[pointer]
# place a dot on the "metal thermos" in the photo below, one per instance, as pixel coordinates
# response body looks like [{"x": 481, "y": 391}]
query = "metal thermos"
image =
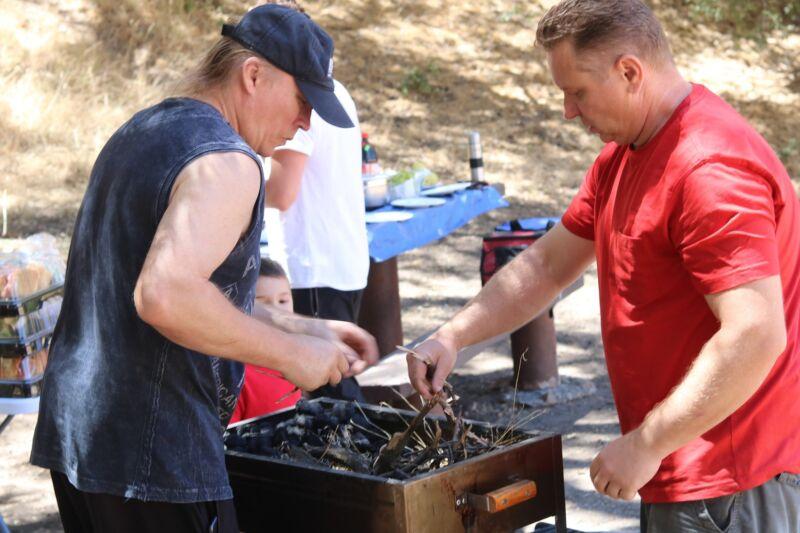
[{"x": 475, "y": 156}]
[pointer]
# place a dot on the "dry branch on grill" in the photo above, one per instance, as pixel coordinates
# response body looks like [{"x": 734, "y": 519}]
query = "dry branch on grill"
[{"x": 344, "y": 437}]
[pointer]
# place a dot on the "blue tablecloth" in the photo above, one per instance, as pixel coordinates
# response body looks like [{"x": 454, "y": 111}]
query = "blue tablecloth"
[{"x": 388, "y": 239}]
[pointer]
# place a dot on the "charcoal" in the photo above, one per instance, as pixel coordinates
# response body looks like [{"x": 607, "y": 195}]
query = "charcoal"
[
  {"x": 299, "y": 454},
  {"x": 342, "y": 436},
  {"x": 359, "y": 419},
  {"x": 281, "y": 432},
  {"x": 252, "y": 444},
  {"x": 340, "y": 412},
  {"x": 295, "y": 435},
  {"x": 361, "y": 441},
  {"x": 308, "y": 408},
  {"x": 314, "y": 439},
  {"x": 304, "y": 421},
  {"x": 341, "y": 456},
  {"x": 328, "y": 420},
  {"x": 264, "y": 444},
  {"x": 234, "y": 441}
]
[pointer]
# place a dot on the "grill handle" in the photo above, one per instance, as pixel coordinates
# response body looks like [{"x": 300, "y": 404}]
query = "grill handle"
[{"x": 500, "y": 499}]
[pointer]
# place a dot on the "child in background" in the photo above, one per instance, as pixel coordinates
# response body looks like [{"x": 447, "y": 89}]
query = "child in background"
[{"x": 264, "y": 387}]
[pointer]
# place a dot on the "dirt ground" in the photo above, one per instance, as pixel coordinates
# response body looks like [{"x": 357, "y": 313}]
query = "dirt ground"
[
  {"x": 484, "y": 384},
  {"x": 423, "y": 73}
]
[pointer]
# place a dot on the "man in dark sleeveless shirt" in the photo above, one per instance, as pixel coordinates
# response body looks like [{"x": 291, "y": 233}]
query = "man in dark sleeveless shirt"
[{"x": 158, "y": 316}]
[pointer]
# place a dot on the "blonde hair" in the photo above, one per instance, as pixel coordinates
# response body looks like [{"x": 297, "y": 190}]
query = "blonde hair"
[{"x": 216, "y": 66}]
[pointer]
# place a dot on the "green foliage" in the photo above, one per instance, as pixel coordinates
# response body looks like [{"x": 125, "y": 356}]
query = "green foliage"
[
  {"x": 188, "y": 6},
  {"x": 790, "y": 150},
  {"x": 518, "y": 12},
  {"x": 418, "y": 80},
  {"x": 747, "y": 18}
]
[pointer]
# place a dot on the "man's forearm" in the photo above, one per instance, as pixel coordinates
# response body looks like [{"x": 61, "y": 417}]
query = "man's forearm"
[
  {"x": 291, "y": 322},
  {"x": 196, "y": 315},
  {"x": 514, "y": 295},
  {"x": 728, "y": 370}
]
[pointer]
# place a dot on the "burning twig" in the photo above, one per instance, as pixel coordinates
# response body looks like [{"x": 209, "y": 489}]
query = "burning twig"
[
  {"x": 386, "y": 433},
  {"x": 389, "y": 453},
  {"x": 411, "y": 406},
  {"x": 352, "y": 460}
]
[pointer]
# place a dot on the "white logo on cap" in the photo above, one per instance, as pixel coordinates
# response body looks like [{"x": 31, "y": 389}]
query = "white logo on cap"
[{"x": 330, "y": 68}]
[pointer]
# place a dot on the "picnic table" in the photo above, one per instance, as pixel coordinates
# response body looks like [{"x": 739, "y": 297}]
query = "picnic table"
[
  {"x": 10, "y": 407},
  {"x": 380, "y": 306}
]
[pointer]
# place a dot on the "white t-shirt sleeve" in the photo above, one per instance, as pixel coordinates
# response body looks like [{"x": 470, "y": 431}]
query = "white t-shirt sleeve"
[{"x": 302, "y": 142}]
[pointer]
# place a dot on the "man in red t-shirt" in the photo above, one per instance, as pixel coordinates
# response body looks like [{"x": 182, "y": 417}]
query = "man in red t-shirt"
[{"x": 693, "y": 222}]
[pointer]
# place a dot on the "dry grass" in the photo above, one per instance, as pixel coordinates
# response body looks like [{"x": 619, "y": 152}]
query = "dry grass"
[
  {"x": 423, "y": 73},
  {"x": 70, "y": 74}
]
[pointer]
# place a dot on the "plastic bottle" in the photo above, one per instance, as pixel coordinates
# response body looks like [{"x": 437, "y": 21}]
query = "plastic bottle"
[{"x": 369, "y": 157}]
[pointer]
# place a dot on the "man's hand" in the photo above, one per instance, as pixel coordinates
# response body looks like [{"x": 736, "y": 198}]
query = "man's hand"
[
  {"x": 441, "y": 351},
  {"x": 624, "y": 466},
  {"x": 317, "y": 362},
  {"x": 363, "y": 349}
]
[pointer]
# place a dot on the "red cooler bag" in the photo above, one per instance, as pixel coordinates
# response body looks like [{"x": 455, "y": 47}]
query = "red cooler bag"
[{"x": 500, "y": 247}]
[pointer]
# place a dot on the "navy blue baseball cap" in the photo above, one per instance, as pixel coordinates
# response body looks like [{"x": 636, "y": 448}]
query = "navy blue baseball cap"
[{"x": 291, "y": 41}]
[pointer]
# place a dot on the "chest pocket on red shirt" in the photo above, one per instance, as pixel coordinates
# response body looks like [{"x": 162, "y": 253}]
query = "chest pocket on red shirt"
[{"x": 645, "y": 273}]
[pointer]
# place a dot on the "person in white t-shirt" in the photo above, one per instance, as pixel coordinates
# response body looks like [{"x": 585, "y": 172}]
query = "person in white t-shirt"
[{"x": 315, "y": 181}]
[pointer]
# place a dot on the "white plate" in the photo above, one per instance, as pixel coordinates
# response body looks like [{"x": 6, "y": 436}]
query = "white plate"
[
  {"x": 374, "y": 217},
  {"x": 418, "y": 202},
  {"x": 444, "y": 190}
]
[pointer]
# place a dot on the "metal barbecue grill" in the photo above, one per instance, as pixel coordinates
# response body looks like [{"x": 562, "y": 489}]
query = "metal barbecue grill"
[{"x": 501, "y": 490}]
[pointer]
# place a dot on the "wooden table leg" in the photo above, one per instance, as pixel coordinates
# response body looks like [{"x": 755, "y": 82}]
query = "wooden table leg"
[
  {"x": 6, "y": 421},
  {"x": 380, "y": 306},
  {"x": 536, "y": 340}
]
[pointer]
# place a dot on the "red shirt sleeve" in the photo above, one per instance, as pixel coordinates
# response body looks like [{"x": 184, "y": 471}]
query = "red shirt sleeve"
[
  {"x": 724, "y": 227},
  {"x": 579, "y": 216}
]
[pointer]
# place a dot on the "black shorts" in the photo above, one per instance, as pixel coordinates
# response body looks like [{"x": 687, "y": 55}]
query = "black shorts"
[{"x": 87, "y": 512}]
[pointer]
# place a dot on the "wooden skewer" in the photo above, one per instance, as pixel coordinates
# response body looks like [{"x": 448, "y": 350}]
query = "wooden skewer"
[
  {"x": 418, "y": 356},
  {"x": 415, "y": 355},
  {"x": 279, "y": 400}
]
